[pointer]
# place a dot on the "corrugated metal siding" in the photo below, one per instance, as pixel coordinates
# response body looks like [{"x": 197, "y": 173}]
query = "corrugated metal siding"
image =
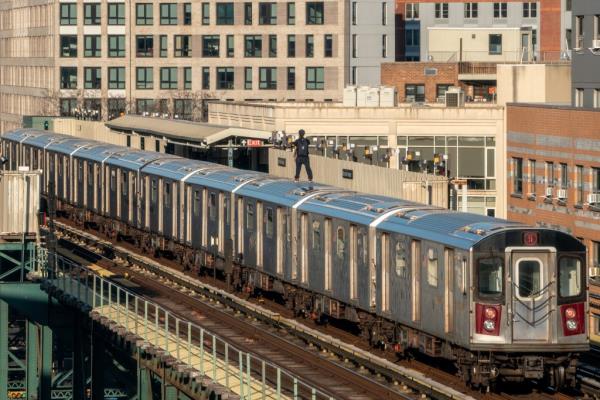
[{"x": 15, "y": 200}]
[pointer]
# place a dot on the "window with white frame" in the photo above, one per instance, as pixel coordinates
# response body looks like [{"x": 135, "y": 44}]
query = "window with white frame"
[
  {"x": 550, "y": 174},
  {"x": 578, "y": 97},
  {"x": 384, "y": 13},
  {"x": 471, "y": 10},
  {"x": 596, "y": 98},
  {"x": 412, "y": 11},
  {"x": 578, "y": 33},
  {"x": 596, "y": 27},
  {"x": 441, "y": 10},
  {"x": 500, "y": 10},
  {"x": 530, "y": 9}
]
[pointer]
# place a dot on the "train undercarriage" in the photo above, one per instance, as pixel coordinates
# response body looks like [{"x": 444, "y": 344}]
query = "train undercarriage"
[{"x": 478, "y": 369}]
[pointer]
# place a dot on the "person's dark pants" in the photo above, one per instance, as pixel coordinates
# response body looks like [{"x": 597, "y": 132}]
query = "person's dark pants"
[{"x": 300, "y": 160}]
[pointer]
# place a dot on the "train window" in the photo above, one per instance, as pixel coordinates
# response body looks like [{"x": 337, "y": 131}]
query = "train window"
[
  {"x": 196, "y": 205},
  {"x": 90, "y": 173},
  {"x": 167, "y": 194},
  {"x": 529, "y": 275},
  {"x": 124, "y": 185},
  {"x": 250, "y": 216},
  {"x": 432, "y": 267},
  {"x": 212, "y": 206},
  {"x": 316, "y": 235},
  {"x": 80, "y": 171},
  {"x": 569, "y": 276},
  {"x": 153, "y": 194},
  {"x": 340, "y": 244},
  {"x": 113, "y": 178},
  {"x": 363, "y": 243},
  {"x": 400, "y": 257},
  {"x": 269, "y": 222},
  {"x": 491, "y": 276},
  {"x": 226, "y": 211}
]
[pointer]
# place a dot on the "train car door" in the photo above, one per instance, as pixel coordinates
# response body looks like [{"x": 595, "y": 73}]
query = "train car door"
[
  {"x": 416, "y": 280},
  {"x": 153, "y": 204},
  {"x": 125, "y": 196},
  {"x": 385, "y": 272},
  {"x": 240, "y": 225},
  {"x": 259, "y": 234},
  {"x": 133, "y": 196},
  {"x": 195, "y": 231},
  {"x": 304, "y": 248},
  {"x": 214, "y": 223},
  {"x": 280, "y": 221},
  {"x": 113, "y": 193},
  {"x": 167, "y": 209},
  {"x": 448, "y": 290},
  {"x": 531, "y": 293}
]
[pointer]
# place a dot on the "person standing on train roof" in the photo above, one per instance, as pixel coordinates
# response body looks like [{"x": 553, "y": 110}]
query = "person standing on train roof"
[{"x": 301, "y": 154}]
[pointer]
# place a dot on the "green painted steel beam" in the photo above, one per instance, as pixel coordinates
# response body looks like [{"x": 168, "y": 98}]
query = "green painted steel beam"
[
  {"x": 3, "y": 348},
  {"x": 31, "y": 353},
  {"x": 45, "y": 379},
  {"x": 27, "y": 299},
  {"x": 171, "y": 393}
]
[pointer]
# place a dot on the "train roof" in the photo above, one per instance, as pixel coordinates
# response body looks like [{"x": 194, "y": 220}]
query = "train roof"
[{"x": 457, "y": 229}]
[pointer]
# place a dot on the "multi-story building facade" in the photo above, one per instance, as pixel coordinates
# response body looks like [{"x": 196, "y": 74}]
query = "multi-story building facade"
[
  {"x": 372, "y": 39},
  {"x": 586, "y": 53},
  {"x": 511, "y": 29},
  {"x": 102, "y": 58}
]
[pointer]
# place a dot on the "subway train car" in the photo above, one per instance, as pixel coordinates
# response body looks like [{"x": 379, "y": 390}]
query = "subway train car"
[{"x": 500, "y": 299}]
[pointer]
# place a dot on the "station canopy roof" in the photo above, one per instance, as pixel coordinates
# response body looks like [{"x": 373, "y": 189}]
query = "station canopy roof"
[{"x": 183, "y": 131}]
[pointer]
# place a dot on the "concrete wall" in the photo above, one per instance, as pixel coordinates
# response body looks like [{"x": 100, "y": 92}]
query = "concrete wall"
[
  {"x": 422, "y": 188},
  {"x": 586, "y": 63},
  {"x": 533, "y": 83}
]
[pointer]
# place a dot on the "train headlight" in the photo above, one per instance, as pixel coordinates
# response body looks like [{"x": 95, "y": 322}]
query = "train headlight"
[
  {"x": 570, "y": 313},
  {"x": 490, "y": 313},
  {"x": 571, "y": 324},
  {"x": 489, "y": 325}
]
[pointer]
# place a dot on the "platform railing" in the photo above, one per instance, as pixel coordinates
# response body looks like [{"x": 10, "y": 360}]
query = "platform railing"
[{"x": 195, "y": 347}]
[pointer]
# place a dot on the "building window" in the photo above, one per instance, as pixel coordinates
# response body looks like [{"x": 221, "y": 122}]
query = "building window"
[
  {"x": 224, "y": 78},
  {"x": 414, "y": 93},
  {"x": 328, "y": 45},
  {"x": 578, "y": 33},
  {"x": 412, "y": 37},
  {"x": 187, "y": 13},
  {"x": 182, "y": 46},
  {"x": 578, "y": 97},
  {"x": 168, "y": 13},
  {"x": 144, "y": 46},
  {"x": 230, "y": 46},
  {"x": 314, "y": 13},
  {"x": 441, "y": 10},
  {"x": 187, "y": 78},
  {"x": 248, "y": 78},
  {"x": 116, "y": 108},
  {"x": 495, "y": 44},
  {"x": 291, "y": 46},
  {"x": 579, "y": 184},
  {"x": 384, "y": 13},
  {"x": 596, "y": 263},
  {"x": 116, "y": 77},
  {"x": 354, "y": 12},
  {"x": 205, "y": 13},
  {"x": 183, "y": 108},
  {"x": 210, "y": 45},
  {"x": 315, "y": 78},
  {"x": 144, "y": 106},
  {"x": 440, "y": 91},
  {"x": 291, "y": 13},
  {"x": 224, "y": 13},
  {"x": 144, "y": 78},
  {"x": 384, "y": 46},
  {"x": 68, "y": 77},
  {"x": 291, "y": 78},
  {"x": 310, "y": 46},
  {"x": 116, "y": 13},
  {"x": 67, "y": 107},
  {"x": 168, "y": 78},
  {"x": 596, "y": 32},
  {"x": 92, "y": 78},
  {"x": 530, "y": 10},
  {"x": 68, "y": 45},
  {"x": 68, "y": 14},
  {"x": 353, "y": 75},
  {"x": 267, "y": 13},
  {"x": 144, "y": 14},
  {"x": 272, "y": 45},
  {"x": 91, "y": 14},
  {"x": 517, "y": 176},
  {"x": 564, "y": 176},
  {"x": 163, "y": 46},
  {"x": 550, "y": 174},
  {"x": 500, "y": 10},
  {"x": 247, "y": 13},
  {"x": 91, "y": 46},
  {"x": 596, "y": 98},
  {"x": 595, "y": 180},
  {"x": 412, "y": 11},
  {"x": 267, "y": 78},
  {"x": 116, "y": 45},
  {"x": 252, "y": 46},
  {"x": 205, "y": 78},
  {"x": 471, "y": 10},
  {"x": 93, "y": 105},
  {"x": 532, "y": 178}
]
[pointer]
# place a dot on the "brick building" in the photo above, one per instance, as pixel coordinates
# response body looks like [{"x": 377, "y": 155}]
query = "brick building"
[{"x": 553, "y": 179}]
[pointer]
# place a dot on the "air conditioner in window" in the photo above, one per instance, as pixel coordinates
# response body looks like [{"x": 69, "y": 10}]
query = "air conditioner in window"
[
  {"x": 596, "y": 44},
  {"x": 594, "y": 272},
  {"x": 455, "y": 97},
  {"x": 594, "y": 198},
  {"x": 549, "y": 191},
  {"x": 561, "y": 194}
]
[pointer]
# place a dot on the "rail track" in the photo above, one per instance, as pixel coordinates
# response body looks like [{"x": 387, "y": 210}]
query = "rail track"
[{"x": 327, "y": 345}]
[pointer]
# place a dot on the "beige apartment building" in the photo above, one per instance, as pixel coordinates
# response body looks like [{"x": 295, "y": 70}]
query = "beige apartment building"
[{"x": 98, "y": 59}]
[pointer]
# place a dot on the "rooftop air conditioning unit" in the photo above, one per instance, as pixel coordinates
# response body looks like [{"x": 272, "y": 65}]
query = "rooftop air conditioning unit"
[
  {"x": 561, "y": 194},
  {"x": 594, "y": 198},
  {"x": 549, "y": 191},
  {"x": 349, "y": 99},
  {"x": 596, "y": 44},
  {"x": 455, "y": 97}
]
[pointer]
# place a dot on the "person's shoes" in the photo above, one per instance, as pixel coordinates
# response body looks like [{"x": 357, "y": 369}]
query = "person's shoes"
[{"x": 296, "y": 180}]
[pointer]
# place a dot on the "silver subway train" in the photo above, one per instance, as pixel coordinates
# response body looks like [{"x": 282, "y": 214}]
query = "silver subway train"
[{"x": 500, "y": 299}]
